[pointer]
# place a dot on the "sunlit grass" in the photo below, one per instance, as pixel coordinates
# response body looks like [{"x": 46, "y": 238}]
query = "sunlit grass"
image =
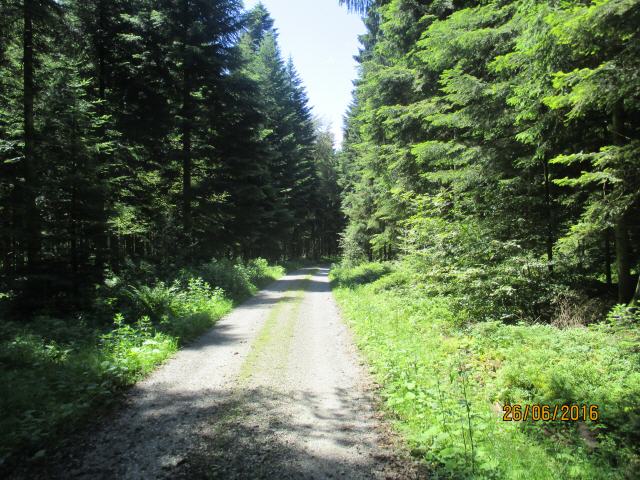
[
  {"x": 432, "y": 367},
  {"x": 55, "y": 373}
]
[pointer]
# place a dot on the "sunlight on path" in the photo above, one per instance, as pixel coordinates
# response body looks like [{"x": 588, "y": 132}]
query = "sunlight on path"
[{"x": 275, "y": 390}]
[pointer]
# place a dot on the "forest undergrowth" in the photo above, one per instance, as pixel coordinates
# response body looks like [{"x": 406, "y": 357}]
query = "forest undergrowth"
[
  {"x": 446, "y": 377},
  {"x": 56, "y": 372}
]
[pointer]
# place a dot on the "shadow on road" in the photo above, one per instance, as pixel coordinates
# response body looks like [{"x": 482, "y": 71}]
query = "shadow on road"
[
  {"x": 246, "y": 445},
  {"x": 233, "y": 432},
  {"x": 245, "y": 435}
]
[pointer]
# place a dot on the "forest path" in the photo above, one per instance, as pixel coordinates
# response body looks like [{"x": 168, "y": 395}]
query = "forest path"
[{"x": 275, "y": 390}]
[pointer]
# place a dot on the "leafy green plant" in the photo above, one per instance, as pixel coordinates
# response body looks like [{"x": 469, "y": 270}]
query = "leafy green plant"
[
  {"x": 361, "y": 274},
  {"x": 55, "y": 372},
  {"x": 131, "y": 351},
  {"x": 239, "y": 280},
  {"x": 157, "y": 302},
  {"x": 445, "y": 380}
]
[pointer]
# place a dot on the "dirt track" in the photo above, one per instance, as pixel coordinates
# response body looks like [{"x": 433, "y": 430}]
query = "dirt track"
[{"x": 275, "y": 390}]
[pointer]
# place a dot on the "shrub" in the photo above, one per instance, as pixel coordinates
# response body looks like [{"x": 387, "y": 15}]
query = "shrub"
[
  {"x": 183, "y": 312},
  {"x": 230, "y": 276},
  {"x": 54, "y": 372},
  {"x": 574, "y": 309},
  {"x": 158, "y": 302},
  {"x": 346, "y": 276},
  {"x": 131, "y": 351},
  {"x": 27, "y": 349},
  {"x": 445, "y": 380},
  {"x": 239, "y": 280},
  {"x": 196, "y": 308},
  {"x": 352, "y": 242},
  {"x": 624, "y": 316},
  {"x": 260, "y": 272}
]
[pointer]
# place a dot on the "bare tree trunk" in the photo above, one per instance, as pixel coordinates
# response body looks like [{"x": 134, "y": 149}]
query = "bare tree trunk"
[
  {"x": 73, "y": 219},
  {"x": 101, "y": 233},
  {"x": 621, "y": 230},
  {"x": 607, "y": 256},
  {"x": 31, "y": 217},
  {"x": 623, "y": 261},
  {"x": 547, "y": 201},
  {"x": 635, "y": 301},
  {"x": 17, "y": 252},
  {"x": 186, "y": 124}
]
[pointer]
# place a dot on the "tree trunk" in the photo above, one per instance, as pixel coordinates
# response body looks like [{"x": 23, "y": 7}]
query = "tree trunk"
[
  {"x": 623, "y": 261},
  {"x": 31, "y": 217},
  {"x": 607, "y": 256},
  {"x": 186, "y": 177},
  {"x": 186, "y": 125},
  {"x": 547, "y": 201},
  {"x": 73, "y": 218},
  {"x": 101, "y": 233},
  {"x": 635, "y": 301},
  {"x": 17, "y": 252},
  {"x": 621, "y": 230}
]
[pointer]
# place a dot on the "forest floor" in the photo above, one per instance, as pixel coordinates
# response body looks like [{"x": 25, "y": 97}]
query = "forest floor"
[{"x": 275, "y": 390}]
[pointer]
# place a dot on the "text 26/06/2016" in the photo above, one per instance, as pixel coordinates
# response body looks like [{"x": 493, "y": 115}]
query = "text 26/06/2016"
[{"x": 546, "y": 413}]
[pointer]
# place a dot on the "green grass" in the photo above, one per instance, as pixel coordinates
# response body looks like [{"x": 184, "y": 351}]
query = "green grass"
[
  {"x": 444, "y": 380},
  {"x": 55, "y": 373},
  {"x": 273, "y": 340}
]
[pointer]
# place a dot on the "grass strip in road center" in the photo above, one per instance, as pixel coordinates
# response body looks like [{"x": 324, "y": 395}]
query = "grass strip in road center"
[{"x": 270, "y": 350}]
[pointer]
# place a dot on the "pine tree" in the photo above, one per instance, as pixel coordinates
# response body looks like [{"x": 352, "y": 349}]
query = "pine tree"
[
  {"x": 488, "y": 118},
  {"x": 288, "y": 133},
  {"x": 138, "y": 131}
]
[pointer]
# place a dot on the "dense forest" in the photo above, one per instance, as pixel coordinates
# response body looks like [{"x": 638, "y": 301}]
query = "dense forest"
[
  {"x": 154, "y": 157},
  {"x": 501, "y": 134},
  {"x": 491, "y": 184},
  {"x": 167, "y": 132},
  {"x": 160, "y": 162}
]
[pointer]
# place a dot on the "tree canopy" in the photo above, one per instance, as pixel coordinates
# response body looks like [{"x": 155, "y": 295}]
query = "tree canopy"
[
  {"x": 495, "y": 138},
  {"x": 167, "y": 132}
]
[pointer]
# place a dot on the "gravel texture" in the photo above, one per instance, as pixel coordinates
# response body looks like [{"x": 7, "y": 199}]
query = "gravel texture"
[{"x": 275, "y": 390}]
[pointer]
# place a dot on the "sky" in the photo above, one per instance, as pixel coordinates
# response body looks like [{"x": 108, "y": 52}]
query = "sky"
[{"x": 322, "y": 37}]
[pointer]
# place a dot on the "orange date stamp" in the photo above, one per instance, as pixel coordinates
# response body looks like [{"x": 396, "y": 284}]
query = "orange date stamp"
[{"x": 550, "y": 413}]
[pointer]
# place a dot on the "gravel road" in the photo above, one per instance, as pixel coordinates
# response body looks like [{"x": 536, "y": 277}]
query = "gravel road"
[{"x": 275, "y": 390}]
